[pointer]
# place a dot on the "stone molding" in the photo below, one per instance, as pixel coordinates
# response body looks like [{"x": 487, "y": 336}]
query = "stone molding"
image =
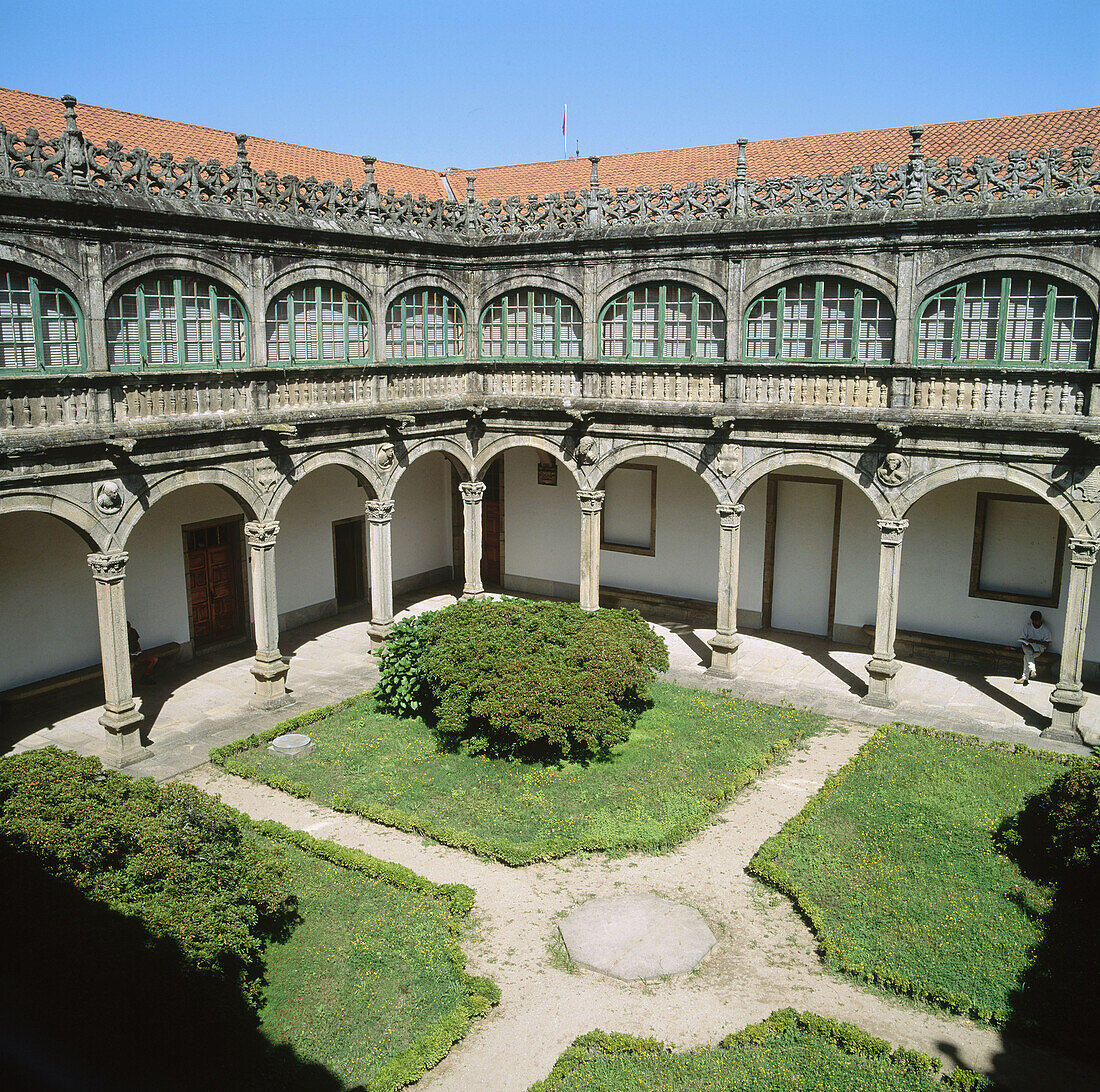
[
  {"x": 472, "y": 492},
  {"x": 380, "y": 511},
  {"x": 108, "y": 568},
  {"x": 729, "y": 516},
  {"x": 591, "y": 500},
  {"x": 261, "y": 534},
  {"x": 892, "y": 531}
]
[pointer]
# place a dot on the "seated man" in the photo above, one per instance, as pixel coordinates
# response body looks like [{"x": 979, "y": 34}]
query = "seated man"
[
  {"x": 138, "y": 656},
  {"x": 1034, "y": 641}
]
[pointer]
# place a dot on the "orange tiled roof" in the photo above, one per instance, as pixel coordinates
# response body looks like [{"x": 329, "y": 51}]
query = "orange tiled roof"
[
  {"x": 832, "y": 153},
  {"x": 20, "y": 110},
  {"x": 811, "y": 155}
]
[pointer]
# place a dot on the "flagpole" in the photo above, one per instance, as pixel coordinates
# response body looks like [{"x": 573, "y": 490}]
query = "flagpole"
[{"x": 564, "y": 138}]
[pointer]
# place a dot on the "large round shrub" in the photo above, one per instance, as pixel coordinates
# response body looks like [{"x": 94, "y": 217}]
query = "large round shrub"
[
  {"x": 171, "y": 856},
  {"x": 537, "y": 679}
]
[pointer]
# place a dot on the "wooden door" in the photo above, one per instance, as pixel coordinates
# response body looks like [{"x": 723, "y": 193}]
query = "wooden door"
[
  {"x": 349, "y": 561},
  {"x": 491, "y": 511},
  {"x": 213, "y": 562}
]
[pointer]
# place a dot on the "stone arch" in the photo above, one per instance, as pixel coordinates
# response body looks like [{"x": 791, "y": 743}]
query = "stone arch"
[
  {"x": 239, "y": 487},
  {"x": 413, "y": 281},
  {"x": 36, "y": 260},
  {"x": 598, "y": 473},
  {"x": 304, "y": 272},
  {"x": 446, "y": 444},
  {"x": 1079, "y": 276},
  {"x": 862, "y": 273},
  {"x": 1033, "y": 482},
  {"x": 657, "y": 274},
  {"x": 568, "y": 290},
  {"x": 501, "y": 444},
  {"x": 176, "y": 261},
  {"x": 364, "y": 472},
  {"x": 86, "y": 524},
  {"x": 780, "y": 460}
]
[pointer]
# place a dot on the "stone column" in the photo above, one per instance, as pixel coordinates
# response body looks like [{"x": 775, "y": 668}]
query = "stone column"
[
  {"x": 121, "y": 712},
  {"x": 882, "y": 667},
  {"x": 379, "y": 518},
  {"x": 591, "y": 511},
  {"x": 472, "y": 492},
  {"x": 1068, "y": 696},
  {"x": 268, "y": 668},
  {"x": 726, "y": 640}
]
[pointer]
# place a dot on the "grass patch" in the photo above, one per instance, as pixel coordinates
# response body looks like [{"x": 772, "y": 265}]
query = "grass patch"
[
  {"x": 788, "y": 1050},
  {"x": 894, "y": 865},
  {"x": 686, "y": 756},
  {"x": 371, "y": 983}
]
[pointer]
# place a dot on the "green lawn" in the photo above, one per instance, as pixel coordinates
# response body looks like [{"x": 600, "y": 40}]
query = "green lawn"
[
  {"x": 687, "y": 755},
  {"x": 370, "y": 984},
  {"x": 894, "y": 864},
  {"x": 787, "y": 1051}
]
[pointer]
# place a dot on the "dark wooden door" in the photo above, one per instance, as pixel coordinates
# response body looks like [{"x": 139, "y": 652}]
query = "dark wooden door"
[
  {"x": 491, "y": 505},
  {"x": 214, "y": 581},
  {"x": 349, "y": 560}
]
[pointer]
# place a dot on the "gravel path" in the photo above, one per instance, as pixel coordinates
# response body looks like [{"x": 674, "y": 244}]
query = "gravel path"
[{"x": 765, "y": 957}]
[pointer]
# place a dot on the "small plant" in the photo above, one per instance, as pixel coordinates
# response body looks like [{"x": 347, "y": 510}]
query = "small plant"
[{"x": 401, "y": 688}]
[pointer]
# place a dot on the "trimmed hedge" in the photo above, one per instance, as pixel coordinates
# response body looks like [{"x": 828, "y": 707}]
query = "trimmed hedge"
[
  {"x": 765, "y": 865},
  {"x": 781, "y": 1026},
  {"x": 480, "y": 993},
  {"x": 532, "y": 679}
]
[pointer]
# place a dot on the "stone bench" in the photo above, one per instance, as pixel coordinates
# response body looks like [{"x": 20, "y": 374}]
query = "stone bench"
[
  {"x": 964, "y": 652},
  {"x": 71, "y": 680}
]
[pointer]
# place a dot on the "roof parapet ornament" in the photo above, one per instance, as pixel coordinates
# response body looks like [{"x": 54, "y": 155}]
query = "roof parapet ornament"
[
  {"x": 245, "y": 192},
  {"x": 74, "y": 150},
  {"x": 593, "y": 209},
  {"x": 594, "y": 182},
  {"x": 368, "y": 169},
  {"x": 471, "y": 208},
  {"x": 740, "y": 197},
  {"x": 914, "y": 182}
]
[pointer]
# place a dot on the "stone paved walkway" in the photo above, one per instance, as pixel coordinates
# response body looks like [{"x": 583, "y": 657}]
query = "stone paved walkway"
[
  {"x": 204, "y": 703},
  {"x": 764, "y": 959}
]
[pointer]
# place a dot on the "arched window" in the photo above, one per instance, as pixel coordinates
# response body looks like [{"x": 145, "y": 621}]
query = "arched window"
[
  {"x": 530, "y": 322},
  {"x": 41, "y": 328},
  {"x": 425, "y": 325},
  {"x": 672, "y": 322},
  {"x": 316, "y": 322},
  {"x": 820, "y": 319},
  {"x": 176, "y": 320},
  {"x": 1006, "y": 319}
]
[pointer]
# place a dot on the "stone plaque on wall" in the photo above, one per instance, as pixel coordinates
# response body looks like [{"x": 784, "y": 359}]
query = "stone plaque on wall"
[{"x": 548, "y": 470}]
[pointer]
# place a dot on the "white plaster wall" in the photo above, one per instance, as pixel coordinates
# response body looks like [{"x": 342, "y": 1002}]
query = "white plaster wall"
[
  {"x": 156, "y": 580},
  {"x": 857, "y": 560},
  {"x": 542, "y": 523},
  {"x": 421, "y": 534},
  {"x": 304, "y": 565},
  {"x": 685, "y": 560},
  {"x": 47, "y": 600},
  {"x": 935, "y": 576},
  {"x": 750, "y": 578}
]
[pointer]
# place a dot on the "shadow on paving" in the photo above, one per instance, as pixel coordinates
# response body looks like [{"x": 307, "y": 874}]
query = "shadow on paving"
[{"x": 93, "y": 1002}]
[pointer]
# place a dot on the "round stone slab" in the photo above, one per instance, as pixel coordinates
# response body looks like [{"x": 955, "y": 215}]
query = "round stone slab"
[
  {"x": 293, "y": 743},
  {"x": 636, "y": 936}
]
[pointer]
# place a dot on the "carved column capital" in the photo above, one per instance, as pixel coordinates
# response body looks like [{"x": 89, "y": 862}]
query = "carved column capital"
[
  {"x": 472, "y": 492},
  {"x": 260, "y": 534},
  {"x": 591, "y": 500},
  {"x": 729, "y": 515},
  {"x": 108, "y": 568},
  {"x": 892, "y": 531},
  {"x": 380, "y": 511},
  {"x": 1083, "y": 550}
]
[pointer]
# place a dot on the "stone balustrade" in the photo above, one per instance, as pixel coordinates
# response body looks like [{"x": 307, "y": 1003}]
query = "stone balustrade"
[{"x": 98, "y": 399}]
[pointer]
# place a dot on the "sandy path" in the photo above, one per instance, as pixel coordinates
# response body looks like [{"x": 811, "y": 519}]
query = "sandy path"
[{"x": 765, "y": 957}]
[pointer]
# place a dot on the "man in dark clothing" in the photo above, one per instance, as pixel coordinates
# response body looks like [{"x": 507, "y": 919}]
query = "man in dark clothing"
[{"x": 138, "y": 656}]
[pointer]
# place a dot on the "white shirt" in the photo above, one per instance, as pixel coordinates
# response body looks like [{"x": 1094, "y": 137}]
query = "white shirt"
[{"x": 1036, "y": 634}]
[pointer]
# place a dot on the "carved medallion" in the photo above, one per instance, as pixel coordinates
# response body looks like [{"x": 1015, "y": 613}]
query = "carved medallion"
[
  {"x": 894, "y": 469},
  {"x": 587, "y": 451},
  {"x": 385, "y": 457},
  {"x": 265, "y": 475},
  {"x": 108, "y": 498},
  {"x": 1086, "y": 484}
]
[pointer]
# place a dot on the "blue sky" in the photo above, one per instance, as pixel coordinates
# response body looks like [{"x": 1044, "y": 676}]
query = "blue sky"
[{"x": 477, "y": 84}]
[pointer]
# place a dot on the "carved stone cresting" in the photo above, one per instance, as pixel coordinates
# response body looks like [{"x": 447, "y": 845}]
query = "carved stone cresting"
[
  {"x": 108, "y": 498},
  {"x": 472, "y": 492},
  {"x": 591, "y": 500},
  {"x": 380, "y": 511},
  {"x": 260, "y": 534},
  {"x": 894, "y": 469},
  {"x": 729, "y": 515},
  {"x": 385, "y": 456},
  {"x": 892, "y": 531},
  {"x": 108, "y": 568}
]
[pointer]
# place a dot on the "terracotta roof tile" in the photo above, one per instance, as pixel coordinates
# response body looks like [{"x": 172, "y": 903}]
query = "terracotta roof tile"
[
  {"x": 811, "y": 155},
  {"x": 20, "y": 110}
]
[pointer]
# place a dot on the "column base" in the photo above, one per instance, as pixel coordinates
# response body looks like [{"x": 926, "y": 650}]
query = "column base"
[
  {"x": 378, "y": 632},
  {"x": 471, "y": 591},
  {"x": 880, "y": 683},
  {"x": 123, "y": 744},
  {"x": 723, "y": 658},
  {"x": 1065, "y": 718},
  {"x": 270, "y": 675}
]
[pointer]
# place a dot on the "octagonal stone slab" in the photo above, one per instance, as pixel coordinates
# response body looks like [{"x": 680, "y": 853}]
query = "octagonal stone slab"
[{"x": 636, "y": 936}]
